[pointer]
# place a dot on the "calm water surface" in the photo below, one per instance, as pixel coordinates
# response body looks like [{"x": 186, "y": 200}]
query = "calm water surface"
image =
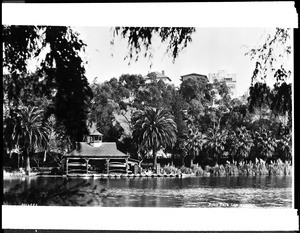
[{"x": 250, "y": 192}]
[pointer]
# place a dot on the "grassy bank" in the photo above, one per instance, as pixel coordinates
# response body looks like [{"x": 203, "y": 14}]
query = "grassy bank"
[
  {"x": 234, "y": 169},
  {"x": 229, "y": 169}
]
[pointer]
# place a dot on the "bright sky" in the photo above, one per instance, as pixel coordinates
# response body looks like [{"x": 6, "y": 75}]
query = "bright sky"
[
  {"x": 222, "y": 31},
  {"x": 212, "y": 49}
]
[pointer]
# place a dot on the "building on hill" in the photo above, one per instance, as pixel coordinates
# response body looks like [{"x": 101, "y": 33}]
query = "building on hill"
[
  {"x": 229, "y": 78},
  {"x": 157, "y": 76},
  {"x": 192, "y": 76}
]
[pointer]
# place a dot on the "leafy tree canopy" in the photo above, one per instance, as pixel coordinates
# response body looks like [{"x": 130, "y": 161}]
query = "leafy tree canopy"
[
  {"x": 140, "y": 39},
  {"x": 272, "y": 62},
  {"x": 61, "y": 72}
]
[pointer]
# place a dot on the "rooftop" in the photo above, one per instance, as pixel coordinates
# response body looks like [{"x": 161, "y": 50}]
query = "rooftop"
[
  {"x": 193, "y": 74},
  {"x": 106, "y": 150}
]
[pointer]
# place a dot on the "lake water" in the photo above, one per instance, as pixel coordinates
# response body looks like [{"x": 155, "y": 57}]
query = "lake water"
[{"x": 233, "y": 192}]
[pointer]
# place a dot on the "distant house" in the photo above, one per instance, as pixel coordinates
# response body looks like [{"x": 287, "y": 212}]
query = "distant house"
[
  {"x": 157, "y": 76},
  {"x": 192, "y": 76},
  {"x": 93, "y": 151}
]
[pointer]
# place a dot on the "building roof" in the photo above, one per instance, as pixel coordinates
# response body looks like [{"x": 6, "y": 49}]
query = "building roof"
[
  {"x": 193, "y": 75},
  {"x": 106, "y": 150}
]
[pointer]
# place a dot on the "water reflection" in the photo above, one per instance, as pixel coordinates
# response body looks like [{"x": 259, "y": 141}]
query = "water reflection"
[{"x": 260, "y": 191}]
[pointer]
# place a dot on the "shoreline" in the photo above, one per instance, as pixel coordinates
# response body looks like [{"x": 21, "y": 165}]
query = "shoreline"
[{"x": 14, "y": 175}]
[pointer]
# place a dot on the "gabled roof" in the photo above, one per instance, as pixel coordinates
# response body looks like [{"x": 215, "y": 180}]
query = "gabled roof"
[{"x": 106, "y": 150}]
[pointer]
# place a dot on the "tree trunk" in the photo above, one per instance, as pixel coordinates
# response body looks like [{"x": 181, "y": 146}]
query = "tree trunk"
[
  {"x": 27, "y": 169},
  {"x": 154, "y": 159},
  {"x": 192, "y": 162},
  {"x": 18, "y": 161},
  {"x": 182, "y": 162}
]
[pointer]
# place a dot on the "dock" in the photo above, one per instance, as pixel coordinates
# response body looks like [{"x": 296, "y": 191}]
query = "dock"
[{"x": 120, "y": 176}]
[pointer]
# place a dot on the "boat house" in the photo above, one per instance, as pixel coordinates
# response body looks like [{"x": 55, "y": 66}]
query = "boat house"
[{"x": 95, "y": 156}]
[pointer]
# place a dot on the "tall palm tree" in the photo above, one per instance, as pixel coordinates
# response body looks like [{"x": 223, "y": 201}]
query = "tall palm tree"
[
  {"x": 154, "y": 129},
  {"x": 30, "y": 134}
]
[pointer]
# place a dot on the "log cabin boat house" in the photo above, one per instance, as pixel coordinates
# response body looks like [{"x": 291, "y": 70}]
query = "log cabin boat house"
[{"x": 94, "y": 156}]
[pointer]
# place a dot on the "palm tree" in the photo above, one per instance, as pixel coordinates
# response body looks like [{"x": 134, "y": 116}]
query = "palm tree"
[
  {"x": 154, "y": 129},
  {"x": 264, "y": 145},
  {"x": 194, "y": 144},
  {"x": 215, "y": 144},
  {"x": 30, "y": 134},
  {"x": 239, "y": 143}
]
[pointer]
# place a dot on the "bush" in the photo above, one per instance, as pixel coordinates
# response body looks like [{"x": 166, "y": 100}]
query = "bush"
[
  {"x": 197, "y": 170},
  {"x": 217, "y": 170},
  {"x": 170, "y": 170},
  {"x": 186, "y": 170}
]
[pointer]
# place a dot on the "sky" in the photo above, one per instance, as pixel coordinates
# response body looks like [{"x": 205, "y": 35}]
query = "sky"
[{"x": 211, "y": 49}]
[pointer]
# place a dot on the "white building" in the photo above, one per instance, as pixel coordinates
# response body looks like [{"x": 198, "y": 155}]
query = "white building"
[{"x": 229, "y": 78}]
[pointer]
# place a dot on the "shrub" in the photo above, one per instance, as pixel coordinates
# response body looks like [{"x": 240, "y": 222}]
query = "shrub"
[
  {"x": 170, "y": 170},
  {"x": 186, "y": 170},
  {"x": 197, "y": 170}
]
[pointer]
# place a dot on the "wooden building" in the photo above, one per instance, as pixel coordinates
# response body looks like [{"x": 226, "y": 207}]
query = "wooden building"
[{"x": 87, "y": 155}]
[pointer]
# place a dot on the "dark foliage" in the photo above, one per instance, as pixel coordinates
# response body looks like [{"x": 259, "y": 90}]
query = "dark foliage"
[
  {"x": 60, "y": 78},
  {"x": 63, "y": 194},
  {"x": 140, "y": 39}
]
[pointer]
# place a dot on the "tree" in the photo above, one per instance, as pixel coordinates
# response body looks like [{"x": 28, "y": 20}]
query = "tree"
[
  {"x": 61, "y": 70},
  {"x": 140, "y": 39},
  {"x": 272, "y": 62},
  {"x": 131, "y": 81},
  {"x": 178, "y": 110},
  {"x": 156, "y": 94},
  {"x": 73, "y": 91},
  {"x": 105, "y": 104},
  {"x": 283, "y": 148},
  {"x": 272, "y": 57},
  {"x": 281, "y": 101},
  {"x": 30, "y": 133},
  {"x": 215, "y": 145},
  {"x": 154, "y": 129},
  {"x": 59, "y": 142},
  {"x": 19, "y": 91},
  {"x": 238, "y": 144},
  {"x": 194, "y": 144},
  {"x": 259, "y": 96},
  {"x": 20, "y": 44},
  {"x": 195, "y": 89},
  {"x": 220, "y": 93},
  {"x": 239, "y": 115},
  {"x": 263, "y": 145}
]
